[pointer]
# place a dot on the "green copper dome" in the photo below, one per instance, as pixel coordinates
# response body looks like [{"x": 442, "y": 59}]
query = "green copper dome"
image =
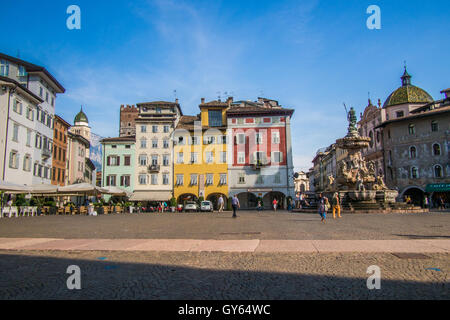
[
  {"x": 407, "y": 93},
  {"x": 81, "y": 117}
]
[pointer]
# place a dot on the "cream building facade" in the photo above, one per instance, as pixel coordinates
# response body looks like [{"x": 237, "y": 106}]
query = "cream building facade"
[{"x": 154, "y": 168}]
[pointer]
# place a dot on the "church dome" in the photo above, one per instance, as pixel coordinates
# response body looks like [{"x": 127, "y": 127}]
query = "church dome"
[
  {"x": 407, "y": 93},
  {"x": 81, "y": 117}
]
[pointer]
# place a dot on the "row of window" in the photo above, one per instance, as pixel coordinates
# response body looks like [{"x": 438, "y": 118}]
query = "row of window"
[
  {"x": 143, "y": 159},
  {"x": 143, "y": 179},
  {"x": 154, "y": 143},
  {"x": 155, "y": 128},
  {"x": 437, "y": 171},
  {"x": 4, "y": 69},
  {"x": 240, "y": 138},
  {"x": 41, "y": 115},
  {"x": 39, "y": 170},
  {"x": 58, "y": 174},
  {"x": 59, "y": 153},
  {"x": 115, "y": 160},
  {"x": 209, "y": 179},
  {"x": 209, "y": 157},
  {"x": 260, "y": 157},
  {"x": 195, "y": 140},
  {"x": 255, "y": 158},
  {"x": 258, "y": 120},
  {"x": 436, "y": 151},
  {"x": 41, "y": 94},
  {"x": 261, "y": 179},
  {"x": 60, "y": 135},
  {"x": 111, "y": 180},
  {"x": 434, "y": 127},
  {"x": 41, "y": 141}
]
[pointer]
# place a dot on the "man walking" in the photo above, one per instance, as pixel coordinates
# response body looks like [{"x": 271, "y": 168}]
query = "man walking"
[
  {"x": 220, "y": 202},
  {"x": 235, "y": 204}
]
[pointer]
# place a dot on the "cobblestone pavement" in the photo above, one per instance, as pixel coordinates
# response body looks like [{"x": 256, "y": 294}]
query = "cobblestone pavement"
[
  {"x": 209, "y": 275},
  {"x": 249, "y": 225}
]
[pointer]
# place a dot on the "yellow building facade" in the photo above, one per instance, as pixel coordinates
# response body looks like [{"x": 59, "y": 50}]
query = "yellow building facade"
[{"x": 200, "y": 155}]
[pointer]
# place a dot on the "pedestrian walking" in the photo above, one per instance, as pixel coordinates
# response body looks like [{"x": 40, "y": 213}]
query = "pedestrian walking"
[
  {"x": 336, "y": 205},
  {"x": 259, "y": 206},
  {"x": 289, "y": 205},
  {"x": 235, "y": 204},
  {"x": 220, "y": 202},
  {"x": 274, "y": 204},
  {"x": 441, "y": 203},
  {"x": 425, "y": 202},
  {"x": 323, "y": 202}
]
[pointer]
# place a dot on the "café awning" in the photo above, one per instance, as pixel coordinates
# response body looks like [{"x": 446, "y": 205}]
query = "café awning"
[
  {"x": 438, "y": 187},
  {"x": 151, "y": 196}
]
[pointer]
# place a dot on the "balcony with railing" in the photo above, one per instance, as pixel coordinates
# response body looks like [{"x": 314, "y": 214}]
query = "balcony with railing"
[
  {"x": 154, "y": 168},
  {"x": 46, "y": 153}
]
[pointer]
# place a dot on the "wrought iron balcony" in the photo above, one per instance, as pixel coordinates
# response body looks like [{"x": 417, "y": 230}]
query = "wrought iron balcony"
[
  {"x": 46, "y": 153},
  {"x": 153, "y": 168},
  {"x": 259, "y": 164}
]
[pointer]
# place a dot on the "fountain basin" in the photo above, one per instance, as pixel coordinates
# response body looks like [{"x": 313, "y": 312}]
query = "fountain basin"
[{"x": 366, "y": 195}]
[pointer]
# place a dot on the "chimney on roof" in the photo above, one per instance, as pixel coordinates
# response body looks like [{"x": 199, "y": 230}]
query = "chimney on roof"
[
  {"x": 230, "y": 100},
  {"x": 446, "y": 92},
  {"x": 202, "y": 100},
  {"x": 176, "y": 100}
]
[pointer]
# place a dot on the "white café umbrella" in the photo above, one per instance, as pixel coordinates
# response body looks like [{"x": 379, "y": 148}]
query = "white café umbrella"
[
  {"x": 115, "y": 191},
  {"x": 43, "y": 189},
  {"x": 13, "y": 187},
  {"x": 81, "y": 189}
]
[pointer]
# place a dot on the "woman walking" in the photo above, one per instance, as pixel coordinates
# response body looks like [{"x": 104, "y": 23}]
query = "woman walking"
[{"x": 323, "y": 202}]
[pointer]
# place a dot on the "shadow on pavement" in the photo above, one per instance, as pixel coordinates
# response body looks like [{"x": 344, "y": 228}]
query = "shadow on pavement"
[
  {"x": 39, "y": 277},
  {"x": 417, "y": 236}
]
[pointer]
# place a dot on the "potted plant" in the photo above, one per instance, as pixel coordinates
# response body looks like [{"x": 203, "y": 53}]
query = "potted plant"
[{"x": 173, "y": 204}]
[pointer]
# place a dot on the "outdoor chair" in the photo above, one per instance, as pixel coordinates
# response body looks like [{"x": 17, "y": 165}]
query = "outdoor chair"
[
  {"x": 60, "y": 210},
  {"x": 14, "y": 211},
  {"x": 67, "y": 210},
  {"x": 83, "y": 210},
  {"x": 105, "y": 210}
]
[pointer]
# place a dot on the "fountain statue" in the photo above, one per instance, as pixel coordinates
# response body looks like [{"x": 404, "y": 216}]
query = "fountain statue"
[{"x": 356, "y": 178}]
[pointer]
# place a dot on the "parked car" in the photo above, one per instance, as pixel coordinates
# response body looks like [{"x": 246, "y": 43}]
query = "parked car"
[
  {"x": 191, "y": 206},
  {"x": 206, "y": 206}
]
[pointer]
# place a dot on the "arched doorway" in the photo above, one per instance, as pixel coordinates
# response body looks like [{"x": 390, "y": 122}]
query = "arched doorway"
[
  {"x": 416, "y": 195},
  {"x": 187, "y": 197},
  {"x": 214, "y": 198},
  {"x": 247, "y": 200},
  {"x": 268, "y": 199}
]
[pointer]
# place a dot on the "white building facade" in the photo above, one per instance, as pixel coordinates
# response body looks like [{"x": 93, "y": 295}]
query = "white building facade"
[{"x": 28, "y": 97}]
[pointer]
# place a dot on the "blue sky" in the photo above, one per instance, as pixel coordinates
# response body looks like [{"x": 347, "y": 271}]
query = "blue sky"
[{"x": 309, "y": 55}]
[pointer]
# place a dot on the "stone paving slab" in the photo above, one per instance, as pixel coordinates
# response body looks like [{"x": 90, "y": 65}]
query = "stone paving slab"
[
  {"x": 255, "y": 245},
  {"x": 18, "y": 243},
  {"x": 167, "y": 245},
  {"x": 227, "y": 245},
  {"x": 286, "y": 246}
]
